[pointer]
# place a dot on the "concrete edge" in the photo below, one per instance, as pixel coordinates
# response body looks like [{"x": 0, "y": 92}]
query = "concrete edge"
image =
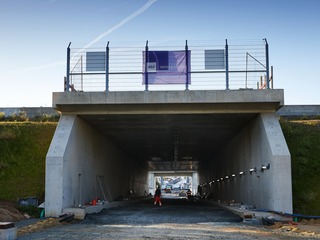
[
  {"x": 81, "y": 212},
  {"x": 251, "y": 214}
]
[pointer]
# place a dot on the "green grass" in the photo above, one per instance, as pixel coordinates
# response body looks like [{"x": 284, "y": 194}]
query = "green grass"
[
  {"x": 303, "y": 139},
  {"x": 24, "y": 145},
  {"x": 23, "y": 148}
]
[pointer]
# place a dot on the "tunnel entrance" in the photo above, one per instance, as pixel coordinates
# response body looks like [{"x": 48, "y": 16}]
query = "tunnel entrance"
[
  {"x": 173, "y": 185},
  {"x": 170, "y": 142},
  {"x": 212, "y": 136}
]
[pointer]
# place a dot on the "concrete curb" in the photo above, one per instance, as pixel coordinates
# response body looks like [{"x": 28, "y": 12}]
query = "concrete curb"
[{"x": 252, "y": 214}]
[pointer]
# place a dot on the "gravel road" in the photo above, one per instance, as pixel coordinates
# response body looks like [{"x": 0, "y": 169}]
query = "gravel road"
[{"x": 176, "y": 219}]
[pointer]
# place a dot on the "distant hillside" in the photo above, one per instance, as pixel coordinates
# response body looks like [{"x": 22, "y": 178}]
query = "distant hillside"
[{"x": 24, "y": 145}]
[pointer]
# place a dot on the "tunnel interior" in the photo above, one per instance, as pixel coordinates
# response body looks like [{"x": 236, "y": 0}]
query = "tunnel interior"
[{"x": 170, "y": 142}]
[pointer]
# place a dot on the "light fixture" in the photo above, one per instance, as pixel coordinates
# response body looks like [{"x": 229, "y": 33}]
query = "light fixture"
[
  {"x": 221, "y": 179},
  {"x": 218, "y": 180},
  {"x": 241, "y": 173},
  {"x": 264, "y": 167},
  {"x": 227, "y": 177},
  {"x": 251, "y": 170},
  {"x": 233, "y": 175}
]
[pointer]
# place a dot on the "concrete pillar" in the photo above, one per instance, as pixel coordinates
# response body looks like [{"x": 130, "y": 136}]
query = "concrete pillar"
[
  {"x": 195, "y": 182},
  {"x": 151, "y": 183}
]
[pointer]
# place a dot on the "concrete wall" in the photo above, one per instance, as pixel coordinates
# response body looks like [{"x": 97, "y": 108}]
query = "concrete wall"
[
  {"x": 81, "y": 165},
  {"x": 260, "y": 143}
]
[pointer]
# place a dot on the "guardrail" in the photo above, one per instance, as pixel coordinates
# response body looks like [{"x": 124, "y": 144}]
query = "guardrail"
[{"x": 157, "y": 66}]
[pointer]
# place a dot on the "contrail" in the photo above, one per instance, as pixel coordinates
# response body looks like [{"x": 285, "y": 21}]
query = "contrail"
[
  {"x": 122, "y": 22},
  {"x": 45, "y": 66}
]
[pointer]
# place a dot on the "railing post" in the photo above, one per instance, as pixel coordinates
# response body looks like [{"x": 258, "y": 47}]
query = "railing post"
[
  {"x": 146, "y": 67},
  {"x": 267, "y": 63},
  {"x": 227, "y": 65},
  {"x": 187, "y": 66},
  {"x": 271, "y": 77},
  {"x": 68, "y": 70},
  {"x": 107, "y": 67}
]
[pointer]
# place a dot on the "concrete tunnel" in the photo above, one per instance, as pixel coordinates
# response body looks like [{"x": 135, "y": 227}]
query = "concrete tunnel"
[{"x": 107, "y": 144}]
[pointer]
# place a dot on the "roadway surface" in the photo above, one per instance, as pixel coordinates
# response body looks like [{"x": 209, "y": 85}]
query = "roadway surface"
[{"x": 175, "y": 219}]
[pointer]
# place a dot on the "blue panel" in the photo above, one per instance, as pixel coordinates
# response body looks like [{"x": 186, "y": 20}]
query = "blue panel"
[
  {"x": 214, "y": 59},
  {"x": 95, "y": 61}
]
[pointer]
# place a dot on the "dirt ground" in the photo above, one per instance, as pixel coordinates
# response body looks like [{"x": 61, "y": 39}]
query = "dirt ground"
[
  {"x": 135, "y": 222},
  {"x": 9, "y": 212}
]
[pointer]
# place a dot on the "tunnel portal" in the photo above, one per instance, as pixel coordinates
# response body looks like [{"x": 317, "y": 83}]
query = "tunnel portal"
[{"x": 108, "y": 144}]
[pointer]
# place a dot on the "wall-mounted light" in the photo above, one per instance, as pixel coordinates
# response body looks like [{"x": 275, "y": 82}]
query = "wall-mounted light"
[
  {"x": 233, "y": 175},
  {"x": 251, "y": 170},
  {"x": 221, "y": 179},
  {"x": 241, "y": 173},
  {"x": 265, "y": 167},
  {"x": 218, "y": 180},
  {"x": 227, "y": 177}
]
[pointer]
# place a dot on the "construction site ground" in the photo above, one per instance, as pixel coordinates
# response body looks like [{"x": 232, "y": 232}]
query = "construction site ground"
[{"x": 177, "y": 218}]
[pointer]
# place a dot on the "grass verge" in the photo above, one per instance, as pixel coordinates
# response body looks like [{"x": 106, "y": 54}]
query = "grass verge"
[
  {"x": 303, "y": 140},
  {"x": 23, "y": 148}
]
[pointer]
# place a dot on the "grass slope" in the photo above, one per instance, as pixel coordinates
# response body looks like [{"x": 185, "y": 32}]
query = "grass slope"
[{"x": 23, "y": 148}]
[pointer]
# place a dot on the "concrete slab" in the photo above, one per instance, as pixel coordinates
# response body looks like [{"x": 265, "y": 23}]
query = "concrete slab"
[
  {"x": 81, "y": 212},
  {"x": 252, "y": 214},
  {"x": 210, "y": 100}
]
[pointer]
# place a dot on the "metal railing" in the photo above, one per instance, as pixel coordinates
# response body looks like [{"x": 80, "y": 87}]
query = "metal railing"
[{"x": 209, "y": 66}]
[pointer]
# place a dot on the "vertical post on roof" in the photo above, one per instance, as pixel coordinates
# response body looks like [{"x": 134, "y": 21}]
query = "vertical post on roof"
[
  {"x": 227, "y": 65},
  {"x": 81, "y": 72},
  {"x": 267, "y": 64},
  {"x": 107, "y": 67},
  {"x": 246, "y": 70},
  {"x": 271, "y": 77},
  {"x": 68, "y": 70},
  {"x": 187, "y": 66},
  {"x": 146, "y": 60}
]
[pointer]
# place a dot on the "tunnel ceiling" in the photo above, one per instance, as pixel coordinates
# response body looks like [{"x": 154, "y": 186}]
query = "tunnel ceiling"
[{"x": 170, "y": 142}]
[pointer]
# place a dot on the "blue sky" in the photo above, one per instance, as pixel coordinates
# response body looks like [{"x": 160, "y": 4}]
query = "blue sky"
[{"x": 35, "y": 35}]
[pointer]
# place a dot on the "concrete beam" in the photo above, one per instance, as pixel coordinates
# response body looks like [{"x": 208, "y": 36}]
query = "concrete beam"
[{"x": 168, "y": 101}]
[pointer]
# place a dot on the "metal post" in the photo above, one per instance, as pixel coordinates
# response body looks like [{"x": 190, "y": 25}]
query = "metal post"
[
  {"x": 81, "y": 67},
  {"x": 187, "y": 66},
  {"x": 267, "y": 63},
  {"x": 227, "y": 65},
  {"x": 271, "y": 77},
  {"x": 107, "y": 67},
  {"x": 68, "y": 69},
  {"x": 146, "y": 60},
  {"x": 246, "y": 70}
]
